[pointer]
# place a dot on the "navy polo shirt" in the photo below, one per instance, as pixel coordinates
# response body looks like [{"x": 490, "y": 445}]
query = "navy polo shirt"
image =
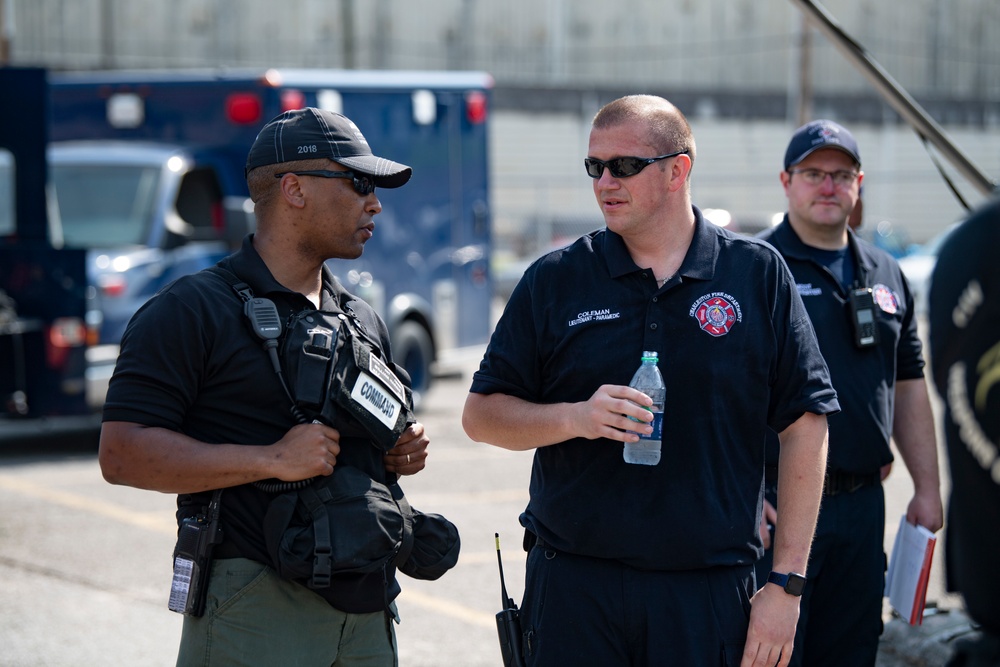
[
  {"x": 865, "y": 378},
  {"x": 737, "y": 354},
  {"x": 189, "y": 363}
]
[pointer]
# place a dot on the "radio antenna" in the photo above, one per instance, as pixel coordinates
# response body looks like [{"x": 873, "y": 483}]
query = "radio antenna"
[{"x": 505, "y": 602}]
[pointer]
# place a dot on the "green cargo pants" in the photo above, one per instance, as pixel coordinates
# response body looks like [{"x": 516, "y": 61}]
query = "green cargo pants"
[{"x": 254, "y": 618}]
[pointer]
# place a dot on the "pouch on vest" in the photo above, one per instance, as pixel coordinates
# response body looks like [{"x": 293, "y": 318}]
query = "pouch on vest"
[
  {"x": 335, "y": 369},
  {"x": 346, "y": 523}
]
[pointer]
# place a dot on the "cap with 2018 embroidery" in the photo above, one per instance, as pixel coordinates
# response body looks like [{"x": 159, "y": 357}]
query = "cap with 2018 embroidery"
[
  {"x": 306, "y": 134},
  {"x": 816, "y": 135}
]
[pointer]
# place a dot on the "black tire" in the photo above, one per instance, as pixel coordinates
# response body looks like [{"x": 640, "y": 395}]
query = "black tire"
[{"x": 412, "y": 349}]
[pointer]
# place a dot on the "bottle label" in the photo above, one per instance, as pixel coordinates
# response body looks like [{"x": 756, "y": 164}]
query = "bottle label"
[{"x": 657, "y": 425}]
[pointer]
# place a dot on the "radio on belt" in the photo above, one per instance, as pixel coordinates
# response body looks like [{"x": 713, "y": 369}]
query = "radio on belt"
[{"x": 863, "y": 317}]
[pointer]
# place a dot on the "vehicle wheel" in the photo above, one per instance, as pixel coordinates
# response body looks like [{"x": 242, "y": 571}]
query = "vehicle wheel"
[{"x": 412, "y": 349}]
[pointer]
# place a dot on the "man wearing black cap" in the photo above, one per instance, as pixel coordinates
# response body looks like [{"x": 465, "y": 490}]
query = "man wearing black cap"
[
  {"x": 195, "y": 404},
  {"x": 862, "y": 310}
]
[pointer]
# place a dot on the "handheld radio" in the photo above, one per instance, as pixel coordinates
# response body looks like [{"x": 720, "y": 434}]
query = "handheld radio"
[
  {"x": 863, "y": 317},
  {"x": 196, "y": 538},
  {"x": 508, "y": 622}
]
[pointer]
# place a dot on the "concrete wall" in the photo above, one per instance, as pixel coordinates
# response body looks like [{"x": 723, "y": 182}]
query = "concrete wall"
[
  {"x": 540, "y": 189},
  {"x": 732, "y": 66},
  {"x": 936, "y": 48}
]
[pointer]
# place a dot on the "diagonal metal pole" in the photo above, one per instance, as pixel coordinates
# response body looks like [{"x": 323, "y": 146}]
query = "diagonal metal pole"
[{"x": 895, "y": 96}]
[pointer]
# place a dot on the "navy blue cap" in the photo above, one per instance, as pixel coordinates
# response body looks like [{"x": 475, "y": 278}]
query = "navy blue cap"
[
  {"x": 820, "y": 134},
  {"x": 306, "y": 134}
]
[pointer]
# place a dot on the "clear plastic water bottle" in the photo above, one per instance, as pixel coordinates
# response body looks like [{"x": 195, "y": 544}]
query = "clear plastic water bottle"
[{"x": 649, "y": 381}]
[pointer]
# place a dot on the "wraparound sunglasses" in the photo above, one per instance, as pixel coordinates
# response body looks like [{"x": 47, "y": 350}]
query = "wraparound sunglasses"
[{"x": 620, "y": 167}]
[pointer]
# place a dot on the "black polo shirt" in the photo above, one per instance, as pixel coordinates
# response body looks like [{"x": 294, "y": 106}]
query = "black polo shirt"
[
  {"x": 189, "y": 363},
  {"x": 737, "y": 353},
  {"x": 965, "y": 355},
  {"x": 865, "y": 378}
]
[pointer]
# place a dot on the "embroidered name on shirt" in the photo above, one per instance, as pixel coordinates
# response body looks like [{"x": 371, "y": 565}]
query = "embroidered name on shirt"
[
  {"x": 594, "y": 315},
  {"x": 716, "y": 313},
  {"x": 806, "y": 289}
]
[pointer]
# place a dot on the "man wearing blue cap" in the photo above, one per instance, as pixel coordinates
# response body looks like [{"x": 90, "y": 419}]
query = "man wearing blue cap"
[
  {"x": 862, "y": 310},
  {"x": 195, "y": 405}
]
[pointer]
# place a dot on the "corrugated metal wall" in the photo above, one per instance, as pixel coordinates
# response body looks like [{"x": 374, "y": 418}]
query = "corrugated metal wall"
[
  {"x": 943, "y": 51},
  {"x": 933, "y": 47}
]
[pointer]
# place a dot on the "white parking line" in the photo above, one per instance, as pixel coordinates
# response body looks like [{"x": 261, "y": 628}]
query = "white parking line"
[
  {"x": 447, "y": 608},
  {"x": 158, "y": 522},
  {"x": 155, "y": 521}
]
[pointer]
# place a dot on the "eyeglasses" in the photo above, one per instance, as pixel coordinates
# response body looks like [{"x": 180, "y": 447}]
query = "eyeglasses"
[
  {"x": 842, "y": 178},
  {"x": 620, "y": 167},
  {"x": 363, "y": 183}
]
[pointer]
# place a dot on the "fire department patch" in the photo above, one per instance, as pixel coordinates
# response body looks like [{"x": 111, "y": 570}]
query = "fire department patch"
[
  {"x": 885, "y": 298},
  {"x": 716, "y": 313}
]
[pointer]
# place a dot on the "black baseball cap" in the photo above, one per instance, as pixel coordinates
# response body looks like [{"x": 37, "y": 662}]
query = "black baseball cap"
[
  {"x": 816, "y": 135},
  {"x": 305, "y": 134}
]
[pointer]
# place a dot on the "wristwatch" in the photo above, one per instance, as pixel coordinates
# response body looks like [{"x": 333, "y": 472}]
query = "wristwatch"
[{"x": 792, "y": 583}]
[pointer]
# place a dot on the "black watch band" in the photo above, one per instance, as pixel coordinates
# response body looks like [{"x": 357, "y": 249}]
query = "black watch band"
[{"x": 792, "y": 583}]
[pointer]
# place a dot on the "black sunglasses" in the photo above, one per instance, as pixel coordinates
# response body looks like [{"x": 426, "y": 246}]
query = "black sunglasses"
[
  {"x": 620, "y": 167},
  {"x": 363, "y": 183}
]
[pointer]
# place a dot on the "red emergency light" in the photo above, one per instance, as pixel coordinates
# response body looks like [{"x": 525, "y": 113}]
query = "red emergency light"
[
  {"x": 243, "y": 108},
  {"x": 475, "y": 107},
  {"x": 292, "y": 99}
]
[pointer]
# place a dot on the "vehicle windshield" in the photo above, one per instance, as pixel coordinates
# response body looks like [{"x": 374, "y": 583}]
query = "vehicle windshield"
[{"x": 101, "y": 206}]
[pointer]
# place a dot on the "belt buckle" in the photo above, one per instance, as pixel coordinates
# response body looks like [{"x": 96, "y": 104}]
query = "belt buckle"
[
  {"x": 834, "y": 485},
  {"x": 856, "y": 483}
]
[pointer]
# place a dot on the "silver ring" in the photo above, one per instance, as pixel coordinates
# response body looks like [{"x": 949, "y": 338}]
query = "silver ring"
[{"x": 407, "y": 459}]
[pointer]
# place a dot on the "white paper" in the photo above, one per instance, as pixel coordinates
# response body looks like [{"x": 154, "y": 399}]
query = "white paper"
[{"x": 912, "y": 549}]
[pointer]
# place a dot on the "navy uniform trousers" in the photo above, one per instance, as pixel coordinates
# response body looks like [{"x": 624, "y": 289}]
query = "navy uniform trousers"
[
  {"x": 584, "y": 611},
  {"x": 840, "y": 618}
]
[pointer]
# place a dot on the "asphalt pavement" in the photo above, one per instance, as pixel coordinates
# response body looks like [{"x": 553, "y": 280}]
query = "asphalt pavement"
[{"x": 85, "y": 566}]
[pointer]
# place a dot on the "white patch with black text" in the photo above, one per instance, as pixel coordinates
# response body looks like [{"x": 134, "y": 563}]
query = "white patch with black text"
[
  {"x": 388, "y": 378},
  {"x": 373, "y": 397}
]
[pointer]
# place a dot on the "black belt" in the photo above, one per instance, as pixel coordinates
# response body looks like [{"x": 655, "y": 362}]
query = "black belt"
[
  {"x": 835, "y": 482},
  {"x": 844, "y": 482},
  {"x": 531, "y": 540}
]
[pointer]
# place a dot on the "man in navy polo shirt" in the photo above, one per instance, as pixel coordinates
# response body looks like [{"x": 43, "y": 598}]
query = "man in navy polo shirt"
[
  {"x": 862, "y": 309},
  {"x": 635, "y": 564}
]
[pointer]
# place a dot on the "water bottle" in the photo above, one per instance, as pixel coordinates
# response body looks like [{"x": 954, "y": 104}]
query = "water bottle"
[{"x": 649, "y": 381}]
